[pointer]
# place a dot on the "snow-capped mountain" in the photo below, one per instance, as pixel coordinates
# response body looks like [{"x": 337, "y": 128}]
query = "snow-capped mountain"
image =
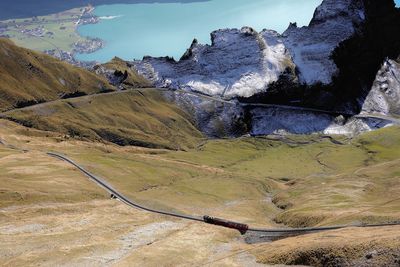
[
  {"x": 328, "y": 65},
  {"x": 237, "y": 63},
  {"x": 241, "y": 63}
]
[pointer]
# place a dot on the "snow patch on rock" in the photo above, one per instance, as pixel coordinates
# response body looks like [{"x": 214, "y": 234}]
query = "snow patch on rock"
[
  {"x": 287, "y": 121},
  {"x": 356, "y": 126},
  {"x": 294, "y": 121},
  {"x": 219, "y": 118},
  {"x": 213, "y": 117}
]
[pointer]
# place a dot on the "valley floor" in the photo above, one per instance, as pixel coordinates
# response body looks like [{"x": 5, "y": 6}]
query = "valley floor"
[{"x": 50, "y": 214}]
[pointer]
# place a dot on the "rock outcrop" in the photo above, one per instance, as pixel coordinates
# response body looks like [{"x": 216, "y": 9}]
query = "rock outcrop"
[
  {"x": 384, "y": 97},
  {"x": 311, "y": 47},
  {"x": 120, "y": 74}
]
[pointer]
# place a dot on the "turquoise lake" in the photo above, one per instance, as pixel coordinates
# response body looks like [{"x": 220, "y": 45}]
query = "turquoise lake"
[{"x": 131, "y": 31}]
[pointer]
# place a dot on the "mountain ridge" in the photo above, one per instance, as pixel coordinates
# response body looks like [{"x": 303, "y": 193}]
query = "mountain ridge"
[
  {"x": 305, "y": 66},
  {"x": 329, "y": 65},
  {"x": 29, "y": 77}
]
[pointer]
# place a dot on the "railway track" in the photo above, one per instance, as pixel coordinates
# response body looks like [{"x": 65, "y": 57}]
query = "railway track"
[{"x": 254, "y": 235}]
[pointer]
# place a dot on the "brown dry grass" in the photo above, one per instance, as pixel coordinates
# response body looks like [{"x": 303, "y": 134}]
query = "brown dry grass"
[
  {"x": 222, "y": 178},
  {"x": 27, "y": 76},
  {"x": 52, "y": 215},
  {"x": 349, "y": 247},
  {"x": 137, "y": 117}
]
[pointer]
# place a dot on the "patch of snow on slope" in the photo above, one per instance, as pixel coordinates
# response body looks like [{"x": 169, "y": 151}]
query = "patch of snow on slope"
[
  {"x": 284, "y": 121},
  {"x": 356, "y": 126},
  {"x": 293, "y": 121}
]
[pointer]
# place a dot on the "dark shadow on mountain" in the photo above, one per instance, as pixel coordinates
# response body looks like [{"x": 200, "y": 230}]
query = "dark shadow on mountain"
[
  {"x": 358, "y": 59},
  {"x": 14, "y": 9}
]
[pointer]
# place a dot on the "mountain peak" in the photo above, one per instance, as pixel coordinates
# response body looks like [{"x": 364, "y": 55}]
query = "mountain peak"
[{"x": 334, "y": 9}]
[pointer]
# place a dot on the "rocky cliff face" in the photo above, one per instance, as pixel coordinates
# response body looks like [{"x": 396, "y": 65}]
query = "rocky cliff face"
[
  {"x": 384, "y": 97},
  {"x": 220, "y": 118},
  {"x": 311, "y": 47},
  {"x": 360, "y": 57},
  {"x": 237, "y": 63},
  {"x": 329, "y": 64},
  {"x": 244, "y": 63}
]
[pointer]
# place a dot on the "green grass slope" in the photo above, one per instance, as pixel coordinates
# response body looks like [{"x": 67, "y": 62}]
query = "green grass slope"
[
  {"x": 29, "y": 77},
  {"x": 137, "y": 117},
  {"x": 292, "y": 181},
  {"x": 364, "y": 190}
]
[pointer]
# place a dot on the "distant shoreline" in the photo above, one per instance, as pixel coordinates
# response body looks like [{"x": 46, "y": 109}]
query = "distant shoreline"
[
  {"x": 92, "y": 44},
  {"x": 12, "y": 9},
  {"x": 25, "y": 10},
  {"x": 56, "y": 34}
]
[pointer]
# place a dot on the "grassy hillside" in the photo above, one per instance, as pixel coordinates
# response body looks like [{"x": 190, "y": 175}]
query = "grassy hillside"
[
  {"x": 295, "y": 180},
  {"x": 366, "y": 191},
  {"x": 29, "y": 77},
  {"x": 348, "y": 247},
  {"x": 138, "y": 117},
  {"x": 141, "y": 118}
]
